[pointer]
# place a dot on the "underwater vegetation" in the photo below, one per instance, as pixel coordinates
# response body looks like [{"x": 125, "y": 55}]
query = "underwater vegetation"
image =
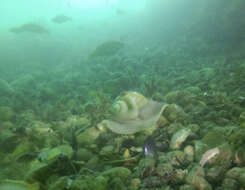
[
  {"x": 98, "y": 108},
  {"x": 181, "y": 129},
  {"x": 167, "y": 117}
]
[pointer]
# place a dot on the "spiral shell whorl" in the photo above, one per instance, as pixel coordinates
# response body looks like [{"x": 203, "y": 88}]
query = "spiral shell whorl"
[{"x": 127, "y": 107}]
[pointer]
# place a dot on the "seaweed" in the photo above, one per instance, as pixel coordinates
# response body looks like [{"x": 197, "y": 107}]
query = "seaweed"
[{"x": 99, "y": 107}]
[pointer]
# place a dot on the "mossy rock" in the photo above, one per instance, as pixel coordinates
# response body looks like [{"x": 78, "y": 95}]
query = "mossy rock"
[
  {"x": 48, "y": 154},
  {"x": 107, "y": 151},
  {"x": 224, "y": 158},
  {"x": 88, "y": 137},
  {"x": 108, "y": 48},
  {"x": 17, "y": 185},
  {"x": 117, "y": 184},
  {"x": 50, "y": 161},
  {"x": 84, "y": 154},
  {"x": 237, "y": 139},
  {"x": 60, "y": 184},
  {"x": 213, "y": 139},
  {"x": 90, "y": 182},
  {"x": 120, "y": 172},
  {"x": 23, "y": 149}
]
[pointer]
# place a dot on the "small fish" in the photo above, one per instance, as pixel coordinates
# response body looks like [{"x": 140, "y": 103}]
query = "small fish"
[
  {"x": 149, "y": 148},
  {"x": 209, "y": 155},
  {"x": 59, "y": 19}
]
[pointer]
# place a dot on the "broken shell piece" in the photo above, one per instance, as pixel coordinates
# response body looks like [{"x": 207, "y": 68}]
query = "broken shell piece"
[
  {"x": 179, "y": 138},
  {"x": 208, "y": 155}
]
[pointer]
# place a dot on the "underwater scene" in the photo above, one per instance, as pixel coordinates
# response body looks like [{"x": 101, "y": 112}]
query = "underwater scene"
[{"x": 122, "y": 95}]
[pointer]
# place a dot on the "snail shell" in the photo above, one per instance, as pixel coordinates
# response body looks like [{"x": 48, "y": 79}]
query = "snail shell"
[{"x": 127, "y": 107}]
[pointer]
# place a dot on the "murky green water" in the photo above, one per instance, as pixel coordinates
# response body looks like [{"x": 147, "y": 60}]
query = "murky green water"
[{"x": 119, "y": 94}]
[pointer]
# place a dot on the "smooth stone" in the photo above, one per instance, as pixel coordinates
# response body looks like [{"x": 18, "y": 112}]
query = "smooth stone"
[
  {"x": 84, "y": 154},
  {"x": 117, "y": 172}
]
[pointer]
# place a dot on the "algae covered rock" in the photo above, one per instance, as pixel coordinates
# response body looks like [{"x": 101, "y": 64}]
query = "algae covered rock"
[
  {"x": 90, "y": 182},
  {"x": 107, "y": 151},
  {"x": 146, "y": 165},
  {"x": 189, "y": 151},
  {"x": 237, "y": 174},
  {"x": 84, "y": 154},
  {"x": 215, "y": 174},
  {"x": 175, "y": 113},
  {"x": 229, "y": 184},
  {"x": 135, "y": 183},
  {"x": 213, "y": 138},
  {"x": 17, "y": 185},
  {"x": 88, "y": 136},
  {"x": 48, "y": 154},
  {"x": 179, "y": 138},
  {"x": 22, "y": 150},
  {"x": 196, "y": 178},
  {"x": 177, "y": 158},
  {"x": 50, "y": 161},
  {"x": 61, "y": 183},
  {"x": 117, "y": 172}
]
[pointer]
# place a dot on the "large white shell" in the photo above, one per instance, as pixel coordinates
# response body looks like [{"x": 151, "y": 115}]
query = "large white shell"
[{"x": 133, "y": 113}]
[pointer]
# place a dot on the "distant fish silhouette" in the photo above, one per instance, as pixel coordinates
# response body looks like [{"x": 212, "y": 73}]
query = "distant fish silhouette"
[
  {"x": 59, "y": 19},
  {"x": 29, "y": 27}
]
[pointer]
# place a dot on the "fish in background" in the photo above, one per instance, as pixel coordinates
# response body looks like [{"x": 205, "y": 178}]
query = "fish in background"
[
  {"x": 29, "y": 27},
  {"x": 60, "y": 19}
]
